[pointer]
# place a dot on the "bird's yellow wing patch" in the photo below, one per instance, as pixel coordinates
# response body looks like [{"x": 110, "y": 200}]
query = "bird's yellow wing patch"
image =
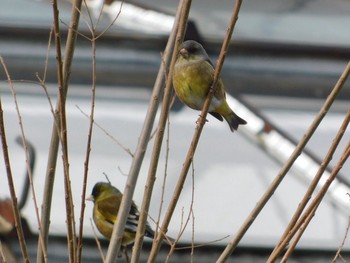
[{"x": 108, "y": 207}]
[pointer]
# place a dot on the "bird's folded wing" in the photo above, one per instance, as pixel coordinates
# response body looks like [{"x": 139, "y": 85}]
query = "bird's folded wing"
[
  {"x": 133, "y": 218},
  {"x": 109, "y": 207}
]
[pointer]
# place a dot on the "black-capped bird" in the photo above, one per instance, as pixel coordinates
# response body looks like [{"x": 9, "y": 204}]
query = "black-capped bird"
[
  {"x": 107, "y": 201},
  {"x": 192, "y": 79}
]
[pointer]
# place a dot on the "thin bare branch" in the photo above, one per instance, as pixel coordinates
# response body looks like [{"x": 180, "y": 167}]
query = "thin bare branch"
[
  {"x": 337, "y": 255},
  {"x": 127, "y": 150},
  {"x": 114, "y": 246},
  {"x": 309, "y": 212},
  {"x": 193, "y": 217},
  {"x": 93, "y": 26},
  {"x": 91, "y": 23},
  {"x": 87, "y": 154},
  {"x": 297, "y": 151},
  {"x": 71, "y": 236},
  {"x": 6, "y": 253},
  {"x": 112, "y": 23},
  {"x": 202, "y": 244},
  {"x": 47, "y": 56},
  {"x": 52, "y": 158},
  {"x": 52, "y": 109},
  {"x": 97, "y": 241},
  {"x": 185, "y": 224},
  {"x": 313, "y": 185},
  {"x": 199, "y": 127},
  {"x": 170, "y": 52},
  {"x": 164, "y": 177},
  {"x": 15, "y": 209},
  {"x": 29, "y": 170},
  {"x": 299, "y": 234}
]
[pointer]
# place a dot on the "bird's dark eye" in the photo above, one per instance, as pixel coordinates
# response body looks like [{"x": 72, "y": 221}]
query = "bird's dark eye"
[
  {"x": 191, "y": 49},
  {"x": 96, "y": 190}
]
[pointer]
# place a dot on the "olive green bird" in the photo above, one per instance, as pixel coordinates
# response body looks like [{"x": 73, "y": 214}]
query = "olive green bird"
[
  {"x": 192, "y": 79},
  {"x": 107, "y": 201}
]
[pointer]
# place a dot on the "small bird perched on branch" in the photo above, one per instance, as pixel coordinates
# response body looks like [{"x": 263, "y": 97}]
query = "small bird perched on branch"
[
  {"x": 107, "y": 201},
  {"x": 192, "y": 79}
]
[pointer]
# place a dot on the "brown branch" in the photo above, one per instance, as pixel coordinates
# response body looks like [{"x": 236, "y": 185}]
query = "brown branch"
[
  {"x": 157, "y": 90},
  {"x": 297, "y": 151},
  {"x": 192, "y": 247},
  {"x": 299, "y": 234},
  {"x": 337, "y": 255},
  {"x": 24, "y": 143},
  {"x": 185, "y": 224},
  {"x": 97, "y": 242},
  {"x": 179, "y": 29},
  {"x": 47, "y": 56},
  {"x": 52, "y": 158},
  {"x": 193, "y": 217},
  {"x": 91, "y": 118},
  {"x": 127, "y": 150},
  {"x": 200, "y": 123},
  {"x": 275, "y": 253},
  {"x": 15, "y": 209},
  {"x": 71, "y": 237},
  {"x": 112, "y": 23},
  {"x": 302, "y": 223},
  {"x": 115, "y": 242},
  {"x": 165, "y": 176},
  {"x": 7, "y": 254},
  {"x": 313, "y": 205},
  {"x": 88, "y": 151}
]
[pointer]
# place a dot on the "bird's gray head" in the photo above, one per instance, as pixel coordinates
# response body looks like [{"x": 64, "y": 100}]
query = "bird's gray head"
[{"x": 191, "y": 49}]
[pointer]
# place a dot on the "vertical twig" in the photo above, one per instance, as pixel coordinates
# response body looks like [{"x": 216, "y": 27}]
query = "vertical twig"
[
  {"x": 157, "y": 90},
  {"x": 200, "y": 123},
  {"x": 52, "y": 158},
  {"x": 67, "y": 183},
  {"x": 179, "y": 31},
  {"x": 132, "y": 178},
  {"x": 165, "y": 174},
  {"x": 93, "y": 40},
  {"x": 71, "y": 236},
  {"x": 48, "y": 189},
  {"x": 118, "y": 229},
  {"x": 184, "y": 223},
  {"x": 22, "y": 140},
  {"x": 97, "y": 241},
  {"x": 15, "y": 209},
  {"x": 297, "y": 151},
  {"x": 88, "y": 149},
  {"x": 193, "y": 217},
  {"x": 46, "y": 65}
]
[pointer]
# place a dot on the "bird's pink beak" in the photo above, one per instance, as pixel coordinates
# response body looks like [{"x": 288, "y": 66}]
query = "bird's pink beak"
[
  {"x": 90, "y": 198},
  {"x": 184, "y": 52}
]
